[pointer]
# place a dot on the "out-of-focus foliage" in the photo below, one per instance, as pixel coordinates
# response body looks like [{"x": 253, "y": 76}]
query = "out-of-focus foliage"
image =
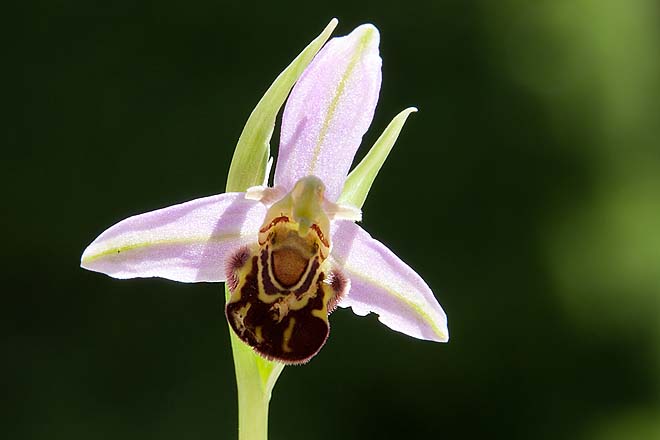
[
  {"x": 594, "y": 69},
  {"x": 530, "y": 180}
]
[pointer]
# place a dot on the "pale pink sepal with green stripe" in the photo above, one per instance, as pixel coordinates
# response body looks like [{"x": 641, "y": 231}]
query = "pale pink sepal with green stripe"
[
  {"x": 383, "y": 284},
  {"x": 189, "y": 242}
]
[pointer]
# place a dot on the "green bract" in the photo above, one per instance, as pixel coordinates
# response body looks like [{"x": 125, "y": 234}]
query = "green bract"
[
  {"x": 248, "y": 166},
  {"x": 359, "y": 181}
]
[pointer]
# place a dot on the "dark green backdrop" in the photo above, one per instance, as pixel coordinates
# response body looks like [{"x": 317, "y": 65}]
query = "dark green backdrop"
[{"x": 526, "y": 191}]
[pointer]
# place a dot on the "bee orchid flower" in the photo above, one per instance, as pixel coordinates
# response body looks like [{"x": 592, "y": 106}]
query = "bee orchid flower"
[{"x": 291, "y": 252}]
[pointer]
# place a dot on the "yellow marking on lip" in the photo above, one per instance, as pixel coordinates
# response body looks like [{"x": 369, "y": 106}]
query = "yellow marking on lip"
[
  {"x": 286, "y": 336},
  {"x": 239, "y": 316},
  {"x": 257, "y": 334},
  {"x": 298, "y": 304},
  {"x": 261, "y": 291},
  {"x": 323, "y": 314}
]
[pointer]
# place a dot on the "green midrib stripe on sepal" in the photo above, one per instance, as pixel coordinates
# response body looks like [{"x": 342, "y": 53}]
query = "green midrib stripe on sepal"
[
  {"x": 116, "y": 250},
  {"x": 248, "y": 166},
  {"x": 359, "y": 181}
]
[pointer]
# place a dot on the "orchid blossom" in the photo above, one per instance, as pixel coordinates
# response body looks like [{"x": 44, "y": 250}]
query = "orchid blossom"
[{"x": 291, "y": 252}]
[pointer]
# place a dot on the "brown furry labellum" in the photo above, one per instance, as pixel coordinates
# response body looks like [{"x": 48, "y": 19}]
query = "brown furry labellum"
[{"x": 282, "y": 292}]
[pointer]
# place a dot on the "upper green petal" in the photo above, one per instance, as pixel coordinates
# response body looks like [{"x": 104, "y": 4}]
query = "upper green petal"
[
  {"x": 359, "y": 181},
  {"x": 248, "y": 166}
]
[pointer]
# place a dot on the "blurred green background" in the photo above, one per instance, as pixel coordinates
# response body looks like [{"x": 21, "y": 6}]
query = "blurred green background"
[{"x": 526, "y": 191}]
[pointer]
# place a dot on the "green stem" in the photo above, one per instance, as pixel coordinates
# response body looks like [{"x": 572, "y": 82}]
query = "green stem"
[{"x": 252, "y": 415}]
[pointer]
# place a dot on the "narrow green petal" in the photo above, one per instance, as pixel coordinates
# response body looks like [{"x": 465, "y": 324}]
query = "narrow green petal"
[
  {"x": 359, "y": 181},
  {"x": 248, "y": 166}
]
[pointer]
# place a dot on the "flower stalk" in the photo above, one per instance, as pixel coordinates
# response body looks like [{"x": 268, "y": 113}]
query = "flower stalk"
[{"x": 256, "y": 376}]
